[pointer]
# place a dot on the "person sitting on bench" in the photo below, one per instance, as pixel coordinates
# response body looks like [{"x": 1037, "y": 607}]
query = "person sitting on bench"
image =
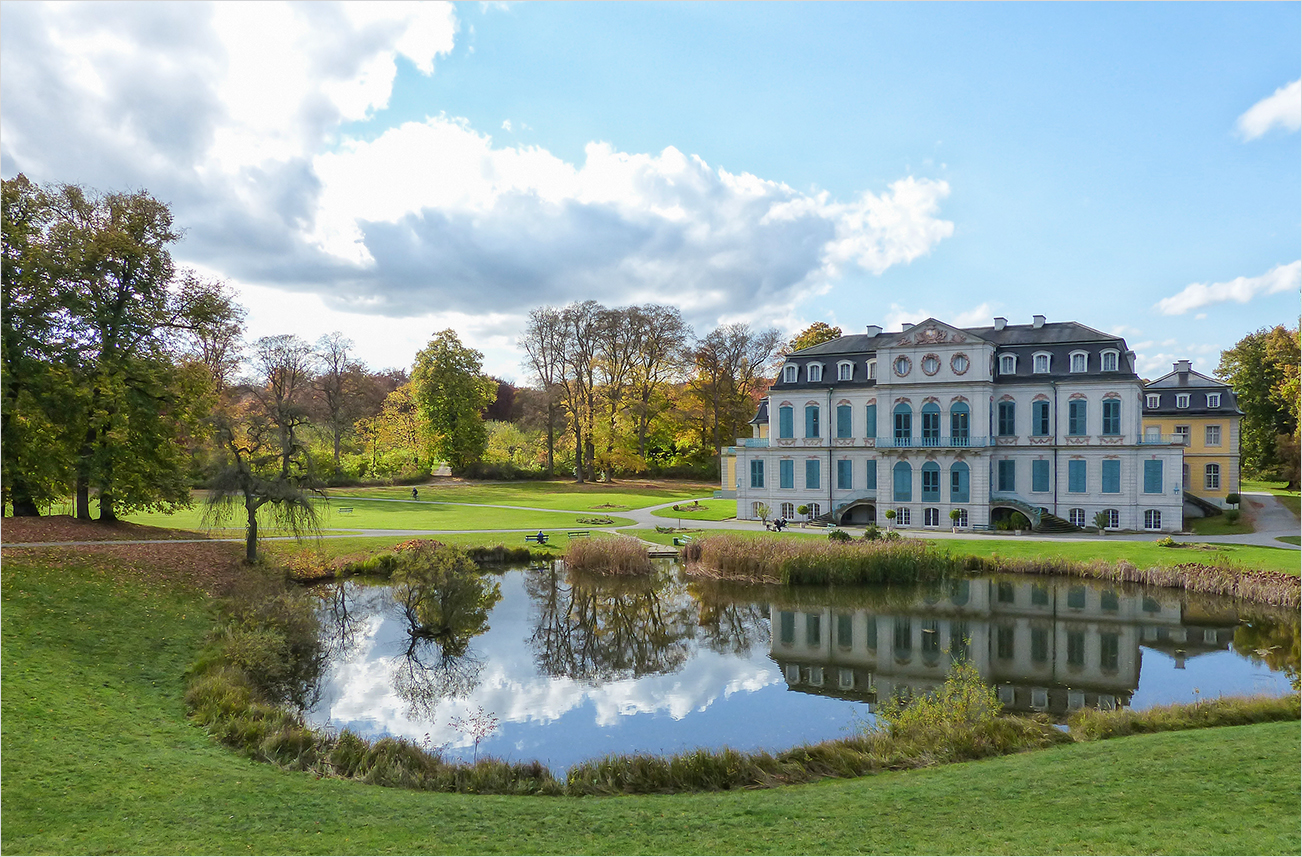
[{"x": 542, "y": 537}]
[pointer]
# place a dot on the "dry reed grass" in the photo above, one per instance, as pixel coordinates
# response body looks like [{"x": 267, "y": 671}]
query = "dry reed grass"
[{"x": 618, "y": 555}]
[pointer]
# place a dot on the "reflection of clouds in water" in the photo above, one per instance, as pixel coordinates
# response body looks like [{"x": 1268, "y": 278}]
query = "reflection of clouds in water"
[{"x": 360, "y": 692}]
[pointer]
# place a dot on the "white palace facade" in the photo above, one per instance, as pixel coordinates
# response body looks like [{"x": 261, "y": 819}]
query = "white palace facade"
[{"x": 1045, "y": 419}]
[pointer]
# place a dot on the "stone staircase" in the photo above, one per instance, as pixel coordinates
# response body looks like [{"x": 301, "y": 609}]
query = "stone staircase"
[
  {"x": 1053, "y": 524},
  {"x": 1032, "y": 513}
]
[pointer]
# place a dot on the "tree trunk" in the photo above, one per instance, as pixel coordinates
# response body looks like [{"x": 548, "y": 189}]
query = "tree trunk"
[
  {"x": 551, "y": 440},
  {"x": 107, "y": 514},
  {"x": 251, "y": 535},
  {"x": 578, "y": 452},
  {"x": 338, "y": 438},
  {"x": 83, "y": 495}
]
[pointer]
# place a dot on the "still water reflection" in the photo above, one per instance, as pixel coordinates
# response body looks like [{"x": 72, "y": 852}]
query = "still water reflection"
[{"x": 576, "y": 667}]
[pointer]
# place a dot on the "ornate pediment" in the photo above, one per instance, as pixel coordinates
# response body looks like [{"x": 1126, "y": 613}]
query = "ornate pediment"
[{"x": 932, "y": 332}]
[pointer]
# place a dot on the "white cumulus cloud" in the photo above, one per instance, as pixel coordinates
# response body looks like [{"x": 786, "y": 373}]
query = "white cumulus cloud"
[
  {"x": 1281, "y": 278},
  {"x": 1281, "y": 109}
]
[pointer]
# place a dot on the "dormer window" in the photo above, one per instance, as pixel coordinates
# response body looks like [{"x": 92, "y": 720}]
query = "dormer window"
[
  {"x": 844, "y": 371},
  {"x": 788, "y": 374},
  {"x": 814, "y": 372},
  {"x": 1182, "y": 400},
  {"x": 1152, "y": 400},
  {"x": 1079, "y": 361},
  {"x": 1213, "y": 400},
  {"x": 1110, "y": 361},
  {"x": 1007, "y": 364},
  {"x": 1040, "y": 366},
  {"x": 872, "y": 370}
]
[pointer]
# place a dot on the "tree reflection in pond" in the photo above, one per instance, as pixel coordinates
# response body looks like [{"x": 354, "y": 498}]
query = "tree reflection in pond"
[{"x": 446, "y": 602}]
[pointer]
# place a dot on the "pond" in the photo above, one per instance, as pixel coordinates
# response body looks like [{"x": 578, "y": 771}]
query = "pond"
[{"x": 574, "y": 667}]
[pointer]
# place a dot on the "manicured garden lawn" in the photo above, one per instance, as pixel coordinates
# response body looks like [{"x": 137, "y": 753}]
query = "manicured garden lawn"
[
  {"x": 1218, "y": 525},
  {"x": 1144, "y": 554},
  {"x": 549, "y": 494},
  {"x": 370, "y": 513},
  {"x": 99, "y": 758},
  {"x": 711, "y": 510}
]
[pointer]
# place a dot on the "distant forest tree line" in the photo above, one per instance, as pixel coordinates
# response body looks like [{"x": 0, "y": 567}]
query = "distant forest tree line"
[{"x": 127, "y": 382}]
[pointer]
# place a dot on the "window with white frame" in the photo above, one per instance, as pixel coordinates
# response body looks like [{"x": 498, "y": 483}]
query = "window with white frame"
[
  {"x": 1007, "y": 364},
  {"x": 844, "y": 371},
  {"x": 1152, "y": 400},
  {"x": 1182, "y": 434},
  {"x": 1182, "y": 400},
  {"x": 788, "y": 510},
  {"x": 1040, "y": 364},
  {"x": 1152, "y": 519},
  {"x": 1212, "y": 477},
  {"x": 930, "y": 517},
  {"x": 902, "y": 365},
  {"x": 1039, "y": 697},
  {"x": 1077, "y": 517},
  {"x": 814, "y": 372},
  {"x": 755, "y": 509},
  {"x": 902, "y": 516},
  {"x": 930, "y": 364},
  {"x": 815, "y": 510},
  {"x": 961, "y": 520},
  {"x": 1213, "y": 400},
  {"x": 1110, "y": 360},
  {"x": 1079, "y": 361},
  {"x": 788, "y": 374},
  {"x": 1113, "y": 519},
  {"x": 872, "y": 370},
  {"x": 1212, "y": 436}
]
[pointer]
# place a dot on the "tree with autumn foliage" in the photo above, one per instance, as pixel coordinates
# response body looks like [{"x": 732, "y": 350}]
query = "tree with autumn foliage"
[{"x": 1262, "y": 367}]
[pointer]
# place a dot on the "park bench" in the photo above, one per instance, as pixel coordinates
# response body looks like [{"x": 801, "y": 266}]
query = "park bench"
[
  {"x": 345, "y": 510},
  {"x": 679, "y": 541},
  {"x": 578, "y": 534},
  {"x": 540, "y": 538}
]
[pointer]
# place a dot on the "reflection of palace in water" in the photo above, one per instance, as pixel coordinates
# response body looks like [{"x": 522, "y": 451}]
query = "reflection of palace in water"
[{"x": 1045, "y": 645}]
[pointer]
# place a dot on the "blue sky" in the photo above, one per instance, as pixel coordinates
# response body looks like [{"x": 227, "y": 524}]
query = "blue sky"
[{"x": 391, "y": 171}]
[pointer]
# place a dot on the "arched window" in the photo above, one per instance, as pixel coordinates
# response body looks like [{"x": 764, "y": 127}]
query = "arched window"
[
  {"x": 843, "y": 421},
  {"x": 931, "y": 517},
  {"x": 789, "y": 374},
  {"x": 959, "y": 423},
  {"x": 1007, "y": 364},
  {"x": 1077, "y": 517},
  {"x": 930, "y": 482},
  {"x": 903, "y": 476},
  {"x": 1112, "y": 416},
  {"x": 1152, "y": 519},
  {"x": 931, "y": 424},
  {"x": 811, "y": 421},
  {"x": 786, "y": 427},
  {"x": 788, "y": 510},
  {"x": 959, "y": 481},
  {"x": 815, "y": 372},
  {"x": 903, "y": 424}
]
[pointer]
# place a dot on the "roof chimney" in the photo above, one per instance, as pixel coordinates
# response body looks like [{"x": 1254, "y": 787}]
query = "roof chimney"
[
  {"x": 874, "y": 329},
  {"x": 1038, "y": 321},
  {"x": 905, "y": 325},
  {"x": 1182, "y": 366},
  {"x": 1000, "y": 322}
]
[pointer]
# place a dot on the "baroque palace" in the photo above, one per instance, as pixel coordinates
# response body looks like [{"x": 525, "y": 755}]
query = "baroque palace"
[{"x": 968, "y": 427}]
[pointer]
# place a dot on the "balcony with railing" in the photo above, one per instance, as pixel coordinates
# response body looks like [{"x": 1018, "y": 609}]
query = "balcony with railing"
[
  {"x": 1164, "y": 440},
  {"x": 753, "y": 442},
  {"x": 944, "y": 442}
]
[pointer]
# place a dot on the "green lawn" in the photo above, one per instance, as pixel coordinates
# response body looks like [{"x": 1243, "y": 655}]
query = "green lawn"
[
  {"x": 388, "y": 515},
  {"x": 98, "y": 758},
  {"x": 552, "y": 494},
  {"x": 711, "y": 510},
  {"x": 1218, "y": 525},
  {"x": 1144, "y": 554}
]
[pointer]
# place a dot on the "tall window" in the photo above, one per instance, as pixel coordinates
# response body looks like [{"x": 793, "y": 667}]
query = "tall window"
[
  {"x": 902, "y": 516},
  {"x": 845, "y": 474},
  {"x": 1007, "y": 478},
  {"x": 812, "y": 480},
  {"x": 1213, "y": 436},
  {"x": 1079, "y": 362},
  {"x": 870, "y": 421},
  {"x": 903, "y": 424},
  {"x": 786, "y": 473},
  {"x": 811, "y": 421},
  {"x": 931, "y": 517},
  {"x": 1040, "y": 419},
  {"x": 786, "y": 422},
  {"x": 1114, "y": 518},
  {"x": 1153, "y": 476},
  {"x": 1182, "y": 434},
  {"x": 1039, "y": 475},
  {"x": 814, "y": 372},
  {"x": 1112, "y": 416},
  {"x": 788, "y": 510},
  {"x": 903, "y": 479},
  {"x": 1109, "y": 361},
  {"x": 1076, "y": 418},
  {"x": 757, "y": 473},
  {"x": 1212, "y": 477},
  {"x": 844, "y": 371},
  {"x": 1007, "y": 364},
  {"x": 843, "y": 421},
  {"x": 1076, "y": 517},
  {"x": 1109, "y": 651},
  {"x": 959, "y": 419},
  {"x": 815, "y": 510},
  {"x": 961, "y": 520},
  {"x": 870, "y": 480},
  {"x": 930, "y": 424},
  {"x": 959, "y": 481},
  {"x": 1111, "y": 475},
  {"x": 788, "y": 374},
  {"x": 1076, "y": 476},
  {"x": 931, "y": 482},
  {"x": 872, "y": 370},
  {"x": 1152, "y": 519},
  {"x": 1007, "y": 419}
]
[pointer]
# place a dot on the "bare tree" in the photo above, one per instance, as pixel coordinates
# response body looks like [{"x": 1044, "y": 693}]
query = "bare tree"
[
  {"x": 662, "y": 338},
  {"x": 337, "y": 386},
  {"x": 544, "y": 342},
  {"x": 617, "y": 343},
  {"x": 731, "y": 362},
  {"x": 577, "y": 378}
]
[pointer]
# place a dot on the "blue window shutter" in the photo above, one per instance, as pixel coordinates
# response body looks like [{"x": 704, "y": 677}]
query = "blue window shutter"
[
  {"x": 871, "y": 424},
  {"x": 871, "y": 480},
  {"x": 786, "y": 473},
  {"x": 1039, "y": 475},
  {"x": 843, "y": 421},
  {"x": 1076, "y": 476},
  {"x": 958, "y": 483},
  {"x": 844, "y": 474},
  {"x": 1076, "y": 418},
  {"x": 811, "y": 421},
  {"x": 811, "y": 473},
  {"x": 757, "y": 473},
  {"x": 786, "y": 422},
  {"x": 1153, "y": 476},
  {"x": 903, "y": 481},
  {"x": 1111, "y": 476}
]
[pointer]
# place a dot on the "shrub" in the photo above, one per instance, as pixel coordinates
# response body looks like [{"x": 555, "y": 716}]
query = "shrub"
[
  {"x": 1232, "y": 516},
  {"x": 1167, "y": 542},
  {"x": 1101, "y": 520},
  {"x": 1233, "y": 498},
  {"x": 838, "y": 536},
  {"x": 871, "y": 533},
  {"x": 618, "y": 555}
]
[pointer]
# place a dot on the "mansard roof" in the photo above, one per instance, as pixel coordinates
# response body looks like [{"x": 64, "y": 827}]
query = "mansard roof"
[{"x": 1198, "y": 385}]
